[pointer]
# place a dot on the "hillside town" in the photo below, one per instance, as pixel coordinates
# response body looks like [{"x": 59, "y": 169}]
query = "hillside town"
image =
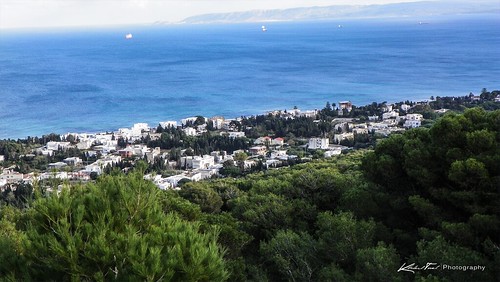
[{"x": 95, "y": 153}]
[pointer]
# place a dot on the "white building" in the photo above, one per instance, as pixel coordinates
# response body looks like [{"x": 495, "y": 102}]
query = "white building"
[
  {"x": 152, "y": 154},
  {"x": 309, "y": 114},
  {"x": 414, "y": 117},
  {"x": 388, "y": 115},
  {"x": 57, "y": 165},
  {"x": 217, "y": 122},
  {"x": 112, "y": 160},
  {"x": 110, "y": 143},
  {"x": 140, "y": 150},
  {"x": 377, "y": 126},
  {"x": 318, "y": 143},
  {"x": 258, "y": 150},
  {"x": 293, "y": 112},
  {"x": 51, "y": 175},
  {"x": 208, "y": 172},
  {"x": 74, "y": 161},
  {"x": 273, "y": 163},
  {"x": 139, "y": 127},
  {"x": 204, "y": 162},
  {"x": 160, "y": 182},
  {"x": 189, "y": 131},
  {"x": 107, "y": 149},
  {"x": 134, "y": 133},
  {"x": 343, "y": 136},
  {"x": 184, "y": 121},
  {"x": 174, "y": 180},
  {"x": 441, "y": 111},
  {"x": 95, "y": 167},
  {"x": 102, "y": 163},
  {"x": 167, "y": 124},
  {"x": 387, "y": 108},
  {"x": 55, "y": 146},
  {"x": 219, "y": 156},
  {"x": 412, "y": 123},
  {"x": 333, "y": 152},
  {"x": 360, "y": 130},
  {"x": 79, "y": 175},
  {"x": 163, "y": 184},
  {"x": 278, "y": 141},
  {"x": 201, "y": 128},
  {"x": 345, "y": 105},
  {"x": 102, "y": 138},
  {"x": 391, "y": 122},
  {"x": 405, "y": 107},
  {"x": 249, "y": 163},
  {"x": 11, "y": 176},
  {"x": 278, "y": 153},
  {"x": 84, "y": 145},
  {"x": 266, "y": 140},
  {"x": 236, "y": 134},
  {"x": 197, "y": 162}
]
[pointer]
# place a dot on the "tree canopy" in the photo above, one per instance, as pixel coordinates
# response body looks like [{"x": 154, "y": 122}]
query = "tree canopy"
[
  {"x": 427, "y": 195},
  {"x": 115, "y": 229}
]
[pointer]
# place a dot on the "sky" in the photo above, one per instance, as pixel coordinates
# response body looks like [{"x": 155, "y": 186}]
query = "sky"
[{"x": 60, "y": 13}]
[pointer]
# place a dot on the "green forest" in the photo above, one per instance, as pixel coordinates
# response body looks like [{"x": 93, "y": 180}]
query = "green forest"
[{"x": 427, "y": 196}]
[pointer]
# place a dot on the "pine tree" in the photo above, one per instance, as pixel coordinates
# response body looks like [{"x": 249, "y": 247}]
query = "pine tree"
[{"x": 115, "y": 229}]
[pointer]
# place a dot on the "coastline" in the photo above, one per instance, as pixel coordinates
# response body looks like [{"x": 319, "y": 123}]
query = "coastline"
[
  {"x": 109, "y": 125},
  {"x": 154, "y": 124}
]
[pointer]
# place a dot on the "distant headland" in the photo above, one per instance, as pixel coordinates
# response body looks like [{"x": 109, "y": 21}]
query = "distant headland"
[{"x": 394, "y": 10}]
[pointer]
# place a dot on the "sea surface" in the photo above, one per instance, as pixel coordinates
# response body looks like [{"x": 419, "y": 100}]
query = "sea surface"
[{"x": 93, "y": 79}]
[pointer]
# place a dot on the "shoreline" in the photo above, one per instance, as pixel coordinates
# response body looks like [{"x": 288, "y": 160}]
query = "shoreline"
[
  {"x": 93, "y": 132},
  {"x": 155, "y": 124}
]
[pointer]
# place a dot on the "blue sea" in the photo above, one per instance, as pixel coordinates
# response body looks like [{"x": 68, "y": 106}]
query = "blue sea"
[{"x": 91, "y": 80}]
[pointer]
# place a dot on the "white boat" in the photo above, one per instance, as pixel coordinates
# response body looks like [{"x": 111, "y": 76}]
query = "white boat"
[
  {"x": 128, "y": 36},
  {"x": 264, "y": 28}
]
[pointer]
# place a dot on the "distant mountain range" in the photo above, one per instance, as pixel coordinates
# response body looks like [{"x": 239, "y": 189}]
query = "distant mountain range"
[{"x": 412, "y": 9}]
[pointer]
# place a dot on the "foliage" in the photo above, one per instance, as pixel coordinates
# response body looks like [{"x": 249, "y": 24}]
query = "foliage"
[
  {"x": 19, "y": 195},
  {"x": 442, "y": 181},
  {"x": 114, "y": 229},
  {"x": 428, "y": 195},
  {"x": 207, "y": 199},
  {"x": 362, "y": 215},
  {"x": 292, "y": 255},
  {"x": 172, "y": 138}
]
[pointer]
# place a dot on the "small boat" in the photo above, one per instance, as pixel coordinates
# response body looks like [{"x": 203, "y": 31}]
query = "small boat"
[
  {"x": 264, "y": 28},
  {"x": 128, "y": 36},
  {"x": 340, "y": 26}
]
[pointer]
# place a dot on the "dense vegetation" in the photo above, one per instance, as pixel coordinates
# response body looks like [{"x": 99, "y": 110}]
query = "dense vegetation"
[
  {"x": 430, "y": 195},
  {"x": 20, "y": 153},
  {"x": 120, "y": 228},
  {"x": 172, "y": 138}
]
